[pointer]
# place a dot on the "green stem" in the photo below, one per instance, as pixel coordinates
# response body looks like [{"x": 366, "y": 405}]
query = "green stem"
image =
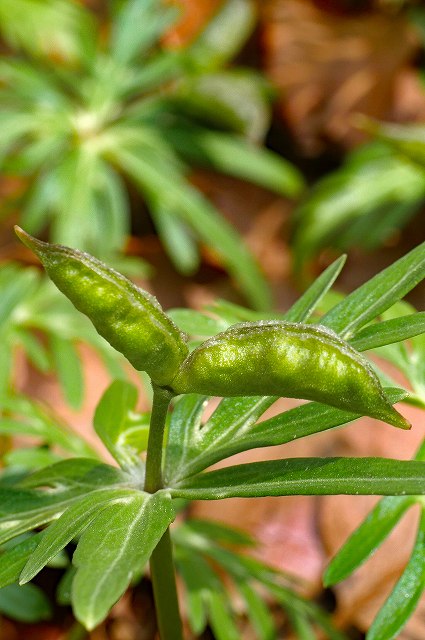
[
  {"x": 164, "y": 590},
  {"x": 161, "y": 562}
]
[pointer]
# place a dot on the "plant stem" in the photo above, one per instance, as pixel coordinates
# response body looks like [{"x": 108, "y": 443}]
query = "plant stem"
[
  {"x": 164, "y": 590},
  {"x": 161, "y": 562},
  {"x": 161, "y": 400}
]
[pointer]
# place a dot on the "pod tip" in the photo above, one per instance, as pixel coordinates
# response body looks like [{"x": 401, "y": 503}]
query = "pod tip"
[{"x": 32, "y": 243}]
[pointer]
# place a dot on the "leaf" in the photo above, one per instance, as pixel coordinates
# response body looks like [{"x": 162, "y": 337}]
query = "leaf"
[
  {"x": 237, "y": 157},
  {"x": 28, "y": 417},
  {"x": 13, "y": 560},
  {"x": 193, "y": 208},
  {"x": 219, "y": 533},
  {"x": 75, "y": 475},
  {"x": 389, "y": 331},
  {"x": 26, "y": 604},
  {"x": 196, "y": 323},
  {"x": 290, "y": 425},
  {"x": 377, "y": 295},
  {"x": 364, "y": 541},
  {"x": 307, "y": 303},
  {"x": 183, "y": 433},
  {"x": 136, "y": 27},
  {"x": 403, "y": 599},
  {"x": 64, "y": 588},
  {"x": 68, "y": 369},
  {"x": 118, "y": 543},
  {"x": 117, "y": 424},
  {"x": 22, "y": 284},
  {"x": 257, "y": 612},
  {"x": 221, "y": 619},
  {"x": 70, "y": 524},
  {"x": 232, "y": 419},
  {"x": 234, "y": 100},
  {"x": 30, "y": 458},
  {"x": 34, "y": 349},
  {"x": 307, "y": 476},
  {"x": 176, "y": 238},
  {"x": 301, "y": 625},
  {"x": 369, "y": 186},
  {"x": 51, "y": 27},
  {"x": 196, "y": 573},
  {"x": 223, "y": 35}
]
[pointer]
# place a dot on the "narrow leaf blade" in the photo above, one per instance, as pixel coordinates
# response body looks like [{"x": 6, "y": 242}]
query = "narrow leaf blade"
[
  {"x": 378, "y": 294},
  {"x": 307, "y": 476}
]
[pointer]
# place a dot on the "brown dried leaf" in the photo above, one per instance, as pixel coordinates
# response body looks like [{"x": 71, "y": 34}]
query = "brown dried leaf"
[{"x": 328, "y": 67}]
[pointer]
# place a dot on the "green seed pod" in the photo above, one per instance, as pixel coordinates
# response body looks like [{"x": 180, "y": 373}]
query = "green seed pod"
[
  {"x": 285, "y": 359},
  {"x": 130, "y": 319}
]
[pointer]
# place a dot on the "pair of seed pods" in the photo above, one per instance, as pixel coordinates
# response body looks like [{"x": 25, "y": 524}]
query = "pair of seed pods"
[{"x": 267, "y": 358}]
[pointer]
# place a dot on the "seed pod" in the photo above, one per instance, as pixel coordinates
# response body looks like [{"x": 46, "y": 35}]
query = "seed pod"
[
  {"x": 290, "y": 360},
  {"x": 130, "y": 319}
]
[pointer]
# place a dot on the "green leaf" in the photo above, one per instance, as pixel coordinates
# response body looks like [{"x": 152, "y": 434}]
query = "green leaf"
[
  {"x": 176, "y": 238},
  {"x": 405, "y": 596},
  {"x": 68, "y": 369},
  {"x": 307, "y": 303},
  {"x": 22, "y": 284},
  {"x": 307, "y": 476},
  {"x": 25, "y": 603},
  {"x": 35, "y": 351},
  {"x": 257, "y": 612},
  {"x": 197, "y": 577},
  {"x": 237, "y": 157},
  {"x": 64, "y": 588},
  {"x": 219, "y": 533},
  {"x": 389, "y": 331},
  {"x": 234, "y": 100},
  {"x": 196, "y": 323},
  {"x": 300, "y": 624},
  {"x": 121, "y": 429},
  {"x": 28, "y": 417},
  {"x": 51, "y": 27},
  {"x": 31, "y": 458},
  {"x": 221, "y": 619},
  {"x": 118, "y": 543},
  {"x": 13, "y": 560},
  {"x": 374, "y": 183},
  {"x": 137, "y": 26},
  {"x": 70, "y": 524},
  {"x": 364, "y": 541},
  {"x": 193, "y": 208},
  {"x": 78, "y": 475},
  {"x": 377, "y": 295},
  {"x": 290, "y": 425},
  {"x": 183, "y": 433},
  {"x": 223, "y": 36},
  {"x": 233, "y": 418}
]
